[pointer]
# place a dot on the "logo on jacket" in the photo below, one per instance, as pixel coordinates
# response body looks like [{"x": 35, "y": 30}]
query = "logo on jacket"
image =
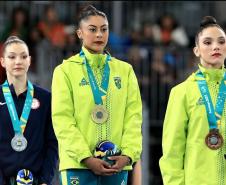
[
  {"x": 200, "y": 101},
  {"x": 35, "y": 103},
  {"x": 83, "y": 82},
  {"x": 118, "y": 82},
  {"x": 74, "y": 180}
]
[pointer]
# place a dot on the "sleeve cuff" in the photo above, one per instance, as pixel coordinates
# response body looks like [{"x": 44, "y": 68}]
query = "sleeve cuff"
[
  {"x": 130, "y": 155},
  {"x": 83, "y": 156},
  {"x": 130, "y": 162}
]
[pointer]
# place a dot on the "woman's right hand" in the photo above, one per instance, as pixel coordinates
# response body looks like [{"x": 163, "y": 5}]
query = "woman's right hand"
[{"x": 99, "y": 167}]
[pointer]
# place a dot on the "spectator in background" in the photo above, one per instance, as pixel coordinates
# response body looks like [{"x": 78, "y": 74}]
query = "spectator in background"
[
  {"x": 162, "y": 79},
  {"x": 34, "y": 40},
  {"x": 167, "y": 32},
  {"x": 138, "y": 58},
  {"x": 51, "y": 28},
  {"x": 18, "y": 25},
  {"x": 72, "y": 43},
  {"x": 147, "y": 35},
  {"x": 118, "y": 45}
]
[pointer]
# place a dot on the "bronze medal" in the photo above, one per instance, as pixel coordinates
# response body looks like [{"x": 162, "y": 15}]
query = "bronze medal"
[
  {"x": 214, "y": 140},
  {"x": 99, "y": 114}
]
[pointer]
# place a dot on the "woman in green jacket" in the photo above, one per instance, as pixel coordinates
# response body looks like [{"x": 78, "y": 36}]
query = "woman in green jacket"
[
  {"x": 96, "y": 110},
  {"x": 194, "y": 127}
]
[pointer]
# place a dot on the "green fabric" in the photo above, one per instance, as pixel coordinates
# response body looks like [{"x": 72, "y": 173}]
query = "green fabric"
[
  {"x": 186, "y": 159},
  {"x": 72, "y": 102},
  {"x": 22, "y": 33}
]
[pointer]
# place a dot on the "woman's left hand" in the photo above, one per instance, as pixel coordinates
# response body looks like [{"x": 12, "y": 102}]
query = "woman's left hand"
[{"x": 120, "y": 162}]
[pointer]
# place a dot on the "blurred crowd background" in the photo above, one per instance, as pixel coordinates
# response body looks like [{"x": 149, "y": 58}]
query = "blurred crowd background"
[{"x": 156, "y": 37}]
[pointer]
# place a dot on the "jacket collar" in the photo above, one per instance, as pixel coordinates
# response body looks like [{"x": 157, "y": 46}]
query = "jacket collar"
[
  {"x": 13, "y": 92},
  {"x": 211, "y": 74},
  {"x": 95, "y": 60}
]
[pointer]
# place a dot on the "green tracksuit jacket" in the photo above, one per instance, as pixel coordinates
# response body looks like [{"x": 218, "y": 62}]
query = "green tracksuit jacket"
[
  {"x": 186, "y": 159},
  {"x": 72, "y": 103}
]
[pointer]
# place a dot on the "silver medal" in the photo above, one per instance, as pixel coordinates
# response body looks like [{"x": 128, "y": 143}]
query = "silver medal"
[
  {"x": 19, "y": 143},
  {"x": 99, "y": 114}
]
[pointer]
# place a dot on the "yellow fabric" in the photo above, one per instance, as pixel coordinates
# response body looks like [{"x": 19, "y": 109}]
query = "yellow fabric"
[
  {"x": 186, "y": 159},
  {"x": 72, "y": 103},
  {"x": 63, "y": 175}
]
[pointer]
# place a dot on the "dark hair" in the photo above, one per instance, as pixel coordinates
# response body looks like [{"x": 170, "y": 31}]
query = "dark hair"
[
  {"x": 19, "y": 10},
  {"x": 207, "y": 21},
  {"x": 88, "y": 11},
  {"x": 2, "y": 74},
  {"x": 170, "y": 16},
  {"x": 10, "y": 40}
]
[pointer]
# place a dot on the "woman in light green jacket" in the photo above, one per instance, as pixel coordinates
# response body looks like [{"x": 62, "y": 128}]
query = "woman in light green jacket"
[
  {"x": 194, "y": 132},
  {"x": 95, "y": 97}
]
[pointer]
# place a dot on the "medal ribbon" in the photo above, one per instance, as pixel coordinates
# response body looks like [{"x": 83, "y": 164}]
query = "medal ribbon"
[
  {"x": 98, "y": 92},
  {"x": 213, "y": 116},
  {"x": 18, "y": 125}
]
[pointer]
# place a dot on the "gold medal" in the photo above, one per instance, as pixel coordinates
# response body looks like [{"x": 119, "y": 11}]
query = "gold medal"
[
  {"x": 99, "y": 114},
  {"x": 214, "y": 140}
]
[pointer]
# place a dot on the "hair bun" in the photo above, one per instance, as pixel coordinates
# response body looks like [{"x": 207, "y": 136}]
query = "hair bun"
[
  {"x": 89, "y": 8},
  {"x": 207, "y": 20},
  {"x": 12, "y": 38},
  {"x": 87, "y": 11}
]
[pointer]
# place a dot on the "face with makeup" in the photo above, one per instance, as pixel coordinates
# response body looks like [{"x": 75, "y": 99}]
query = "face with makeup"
[
  {"x": 211, "y": 47},
  {"x": 16, "y": 60},
  {"x": 94, "y": 33}
]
